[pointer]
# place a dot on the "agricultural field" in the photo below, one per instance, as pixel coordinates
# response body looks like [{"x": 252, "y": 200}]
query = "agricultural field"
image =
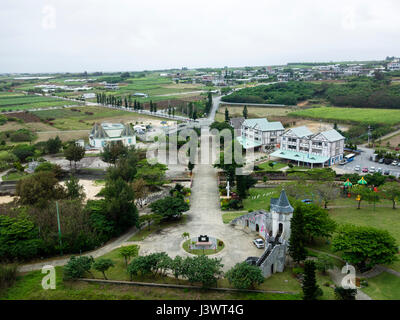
[
  {"x": 83, "y": 118},
  {"x": 24, "y": 102},
  {"x": 253, "y": 112},
  {"x": 351, "y": 115}
]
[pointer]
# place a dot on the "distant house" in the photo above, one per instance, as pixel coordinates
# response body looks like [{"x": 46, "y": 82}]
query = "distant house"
[
  {"x": 260, "y": 133},
  {"x": 394, "y": 65},
  {"x": 236, "y": 124},
  {"x": 89, "y": 95},
  {"x": 102, "y": 134},
  {"x": 141, "y": 95},
  {"x": 302, "y": 146},
  {"x": 111, "y": 86}
]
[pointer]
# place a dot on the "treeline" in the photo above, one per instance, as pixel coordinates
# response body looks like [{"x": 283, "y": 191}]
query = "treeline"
[
  {"x": 29, "y": 227},
  {"x": 358, "y": 93},
  {"x": 118, "y": 101}
]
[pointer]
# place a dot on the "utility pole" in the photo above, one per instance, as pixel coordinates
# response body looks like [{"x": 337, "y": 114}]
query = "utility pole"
[
  {"x": 369, "y": 134},
  {"x": 59, "y": 227}
]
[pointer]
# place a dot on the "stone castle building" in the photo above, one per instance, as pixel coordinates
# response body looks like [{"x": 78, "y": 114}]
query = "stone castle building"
[{"x": 274, "y": 228}]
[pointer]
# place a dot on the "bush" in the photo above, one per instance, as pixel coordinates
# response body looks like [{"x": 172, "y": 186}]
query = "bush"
[
  {"x": 77, "y": 267},
  {"x": 8, "y": 275}
]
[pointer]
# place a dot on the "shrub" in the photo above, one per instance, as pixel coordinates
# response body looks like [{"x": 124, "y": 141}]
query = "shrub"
[
  {"x": 8, "y": 275},
  {"x": 77, "y": 267}
]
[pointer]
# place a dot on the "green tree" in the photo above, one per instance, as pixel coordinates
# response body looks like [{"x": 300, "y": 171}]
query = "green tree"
[
  {"x": 190, "y": 166},
  {"x": 170, "y": 207},
  {"x": 245, "y": 276},
  {"x": 102, "y": 265},
  {"x": 345, "y": 294},
  {"x": 311, "y": 291},
  {"x": 297, "y": 237},
  {"x": 128, "y": 252},
  {"x": 226, "y": 115},
  {"x": 53, "y": 145},
  {"x": 74, "y": 189},
  {"x": 245, "y": 112},
  {"x": 77, "y": 267},
  {"x": 39, "y": 189},
  {"x": 202, "y": 269},
  {"x": 391, "y": 191},
  {"x": 113, "y": 151},
  {"x": 365, "y": 247},
  {"x": 74, "y": 153}
]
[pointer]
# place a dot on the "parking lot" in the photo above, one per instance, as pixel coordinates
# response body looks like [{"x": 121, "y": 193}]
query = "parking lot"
[{"x": 363, "y": 160}]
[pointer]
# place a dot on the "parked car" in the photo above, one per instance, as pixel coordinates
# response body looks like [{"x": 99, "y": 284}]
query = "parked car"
[
  {"x": 307, "y": 201},
  {"x": 381, "y": 160},
  {"x": 379, "y": 170},
  {"x": 386, "y": 172},
  {"x": 388, "y": 161},
  {"x": 357, "y": 168},
  {"x": 394, "y": 163},
  {"x": 365, "y": 170},
  {"x": 372, "y": 170},
  {"x": 259, "y": 243},
  {"x": 398, "y": 164}
]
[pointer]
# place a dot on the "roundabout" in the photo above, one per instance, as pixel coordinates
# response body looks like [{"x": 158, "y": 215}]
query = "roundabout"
[{"x": 203, "y": 245}]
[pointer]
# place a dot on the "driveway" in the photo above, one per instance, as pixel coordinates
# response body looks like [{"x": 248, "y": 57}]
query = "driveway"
[{"x": 204, "y": 218}]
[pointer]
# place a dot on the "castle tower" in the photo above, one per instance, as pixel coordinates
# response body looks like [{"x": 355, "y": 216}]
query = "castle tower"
[{"x": 282, "y": 212}]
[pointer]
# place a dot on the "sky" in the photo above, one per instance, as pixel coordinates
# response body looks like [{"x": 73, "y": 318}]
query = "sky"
[{"x": 132, "y": 35}]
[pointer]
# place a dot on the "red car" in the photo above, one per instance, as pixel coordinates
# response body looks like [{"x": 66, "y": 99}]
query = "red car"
[{"x": 365, "y": 170}]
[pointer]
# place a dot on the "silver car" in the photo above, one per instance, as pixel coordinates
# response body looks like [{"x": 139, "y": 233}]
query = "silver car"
[{"x": 259, "y": 243}]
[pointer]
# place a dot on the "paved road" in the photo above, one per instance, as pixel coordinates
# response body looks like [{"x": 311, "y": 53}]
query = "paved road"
[{"x": 204, "y": 218}]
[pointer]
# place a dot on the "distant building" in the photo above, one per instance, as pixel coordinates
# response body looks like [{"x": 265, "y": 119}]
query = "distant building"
[
  {"x": 260, "y": 133},
  {"x": 301, "y": 145},
  {"x": 89, "y": 95},
  {"x": 394, "y": 66},
  {"x": 111, "y": 86},
  {"x": 104, "y": 133},
  {"x": 141, "y": 95}
]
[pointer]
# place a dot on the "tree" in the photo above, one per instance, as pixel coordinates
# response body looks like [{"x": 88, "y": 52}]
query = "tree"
[
  {"x": 185, "y": 235},
  {"x": 19, "y": 239},
  {"x": 170, "y": 207},
  {"x": 177, "y": 266},
  {"x": 53, "y": 145},
  {"x": 119, "y": 205},
  {"x": 102, "y": 265},
  {"x": 113, "y": 151},
  {"x": 243, "y": 184},
  {"x": 391, "y": 191},
  {"x": 323, "y": 263},
  {"x": 311, "y": 291},
  {"x": 128, "y": 252},
  {"x": 190, "y": 166},
  {"x": 363, "y": 193},
  {"x": 226, "y": 115},
  {"x": 365, "y": 246},
  {"x": 317, "y": 222},
  {"x": 74, "y": 189},
  {"x": 76, "y": 267},
  {"x": 74, "y": 153},
  {"x": 245, "y": 113},
  {"x": 244, "y": 276},
  {"x": 202, "y": 269},
  {"x": 39, "y": 189},
  {"x": 141, "y": 191},
  {"x": 297, "y": 237},
  {"x": 326, "y": 191},
  {"x": 345, "y": 294}
]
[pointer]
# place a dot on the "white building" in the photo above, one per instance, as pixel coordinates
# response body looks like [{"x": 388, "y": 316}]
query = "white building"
[
  {"x": 104, "y": 133},
  {"x": 394, "y": 66},
  {"x": 301, "y": 145},
  {"x": 260, "y": 133}
]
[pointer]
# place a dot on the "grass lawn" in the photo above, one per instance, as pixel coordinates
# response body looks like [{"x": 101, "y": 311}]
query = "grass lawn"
[
  {"x": 146, "y": 231},
  {"x": 277, "y": 166},
  {"x": 13, "y": 176},
  {"x": 28, "y": 287},
  {"x": 260, "y": 198},
  {"x": 200, "y": 252},
  {"x": 383, "y": 287},
  {"x": 229, "y": 216},
  {"x": 386, "y": 116},
  {"x": 253, "y": 112}
]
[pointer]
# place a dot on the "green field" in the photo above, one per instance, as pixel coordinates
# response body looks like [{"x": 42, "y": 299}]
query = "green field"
[
  {"x": 67, "y": 119},
  {"x": 351, "y": 115},
  {"x": 17, "y": 101},
  {"x": 385, "y": 286}
]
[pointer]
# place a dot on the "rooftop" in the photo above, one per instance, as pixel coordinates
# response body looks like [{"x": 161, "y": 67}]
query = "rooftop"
[
  {"x": 248, "y": 144},
  {"x": 299, "y": 156},
  {"x": 263, "y": 124}
]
